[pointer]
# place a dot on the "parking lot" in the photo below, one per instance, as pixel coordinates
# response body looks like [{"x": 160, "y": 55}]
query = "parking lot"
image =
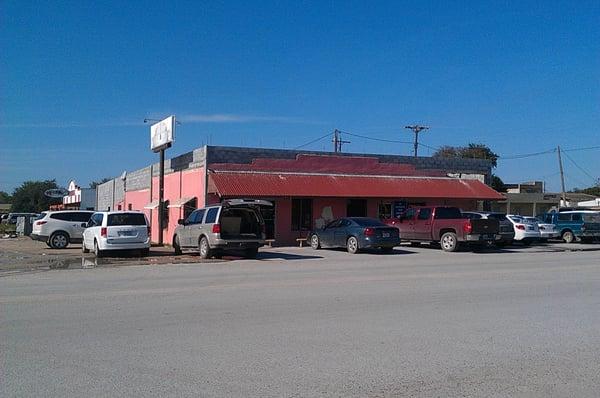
[
  {"x": 23, "y": 255},
  {"x": 298, "y": 322}
]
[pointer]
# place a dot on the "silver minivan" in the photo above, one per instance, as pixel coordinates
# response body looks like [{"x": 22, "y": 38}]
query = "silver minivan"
[{"x": 233, "y": 225}]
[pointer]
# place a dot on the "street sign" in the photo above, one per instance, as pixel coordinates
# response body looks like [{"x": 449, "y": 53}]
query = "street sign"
[
  {"x": 161, "y": 134},
  {"x": 56, "y": 193}
]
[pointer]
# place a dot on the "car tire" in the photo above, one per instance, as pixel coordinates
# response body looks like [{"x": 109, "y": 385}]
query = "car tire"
[
  {"x": 97, "y": 252},
  {"x": 315, "y": 242},
  {"x": 84, "y": 249},
  {"x": 59, "y": 240},
  {"x": 568, "y": 237},
  {"x": 449, "y": 242},
  {"x": 204, "y": 248},
  {"x": 176, "y": 246},
  {"x": 352, "y": 245},
  {"x": 251, "y": 253}
]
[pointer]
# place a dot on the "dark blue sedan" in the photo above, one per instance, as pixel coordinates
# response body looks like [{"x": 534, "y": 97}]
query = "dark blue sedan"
[{"x": 355, "y": 233}]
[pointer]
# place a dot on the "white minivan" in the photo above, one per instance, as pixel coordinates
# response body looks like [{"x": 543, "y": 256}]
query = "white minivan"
[{"x": 117, "y": 230}]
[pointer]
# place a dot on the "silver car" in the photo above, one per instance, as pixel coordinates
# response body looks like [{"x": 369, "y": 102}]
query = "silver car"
[{"x": 233, "y": 225}]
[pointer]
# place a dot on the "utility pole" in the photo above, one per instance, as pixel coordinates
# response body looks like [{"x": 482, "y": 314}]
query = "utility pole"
[
  {"x": 337, "y": 141},
  {"x": 416, "y": 129},
  {"x": 562, "y": 178}
]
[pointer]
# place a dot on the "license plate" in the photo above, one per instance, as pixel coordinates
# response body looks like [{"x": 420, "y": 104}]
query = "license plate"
[
  {"x": 386, "y": 234},
  {"x": 126, "y": 233}
]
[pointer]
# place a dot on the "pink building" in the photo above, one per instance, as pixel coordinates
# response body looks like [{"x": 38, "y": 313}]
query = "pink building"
[{"x": 306, "y": 188}]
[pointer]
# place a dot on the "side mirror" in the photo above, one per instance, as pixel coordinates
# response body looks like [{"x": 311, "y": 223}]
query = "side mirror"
[
  {"x": 84, "y": 225},
  {"x": 181, "y": 221}
]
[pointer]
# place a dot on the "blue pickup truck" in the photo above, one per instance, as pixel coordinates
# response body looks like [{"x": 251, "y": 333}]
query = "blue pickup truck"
[{"x": 583, "y": 225}]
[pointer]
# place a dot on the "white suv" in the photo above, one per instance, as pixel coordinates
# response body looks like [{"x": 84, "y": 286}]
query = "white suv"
[
  {"x": 117, "y": 230},
  {"x": 59, "y": 228}
]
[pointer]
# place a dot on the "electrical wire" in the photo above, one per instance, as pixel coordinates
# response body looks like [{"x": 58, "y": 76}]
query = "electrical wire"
[
  {"x": 313, "y": 141},
  {"x": 581, "y": 168},
  {"x": 375, "y": 139}
]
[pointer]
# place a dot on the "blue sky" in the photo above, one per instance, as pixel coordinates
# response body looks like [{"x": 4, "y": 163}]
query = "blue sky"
[{"x": 78, "y": 78}]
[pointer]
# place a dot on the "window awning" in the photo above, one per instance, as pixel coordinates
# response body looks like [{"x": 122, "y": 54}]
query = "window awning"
[
  {"x": 253, "y": 184},
  {"x": 152, "y": 205},
  {"x": 180, "y": 202}
]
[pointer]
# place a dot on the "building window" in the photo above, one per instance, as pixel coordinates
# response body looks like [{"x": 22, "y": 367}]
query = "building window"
[
  {"x": 301, "y": 214},
  {"x": 356, "y": 208},
  {"x": 189, "y": 207},
  {"x": 165, "y": 213},
  {"x": 385, "y": 211}
]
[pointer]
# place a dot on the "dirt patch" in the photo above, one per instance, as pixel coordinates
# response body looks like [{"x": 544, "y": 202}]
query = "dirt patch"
[{"x": 24, "y": 254}]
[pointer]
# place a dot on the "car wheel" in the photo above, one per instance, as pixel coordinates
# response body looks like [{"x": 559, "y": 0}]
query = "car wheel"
[
  {"x": 315, "y": 243},
  {"x": 59, "y": 240},
  {"x": 176, "y": 246},
  {"x": 449, "y": 242},
  {"x": 352, "y": 245},
  {"x": 204, "y": 248},
  {"x": 83, "y": 248},
  {"x": 568, "y": 237},
  {"x": 251, "y": 253},
  {"x": 97, "y": 251}
]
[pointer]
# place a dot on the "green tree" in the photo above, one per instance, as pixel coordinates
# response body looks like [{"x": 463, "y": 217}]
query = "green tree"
[
  {"x": 30, "y": 198},
  {"x": 5, "y": 197},
  {"x": 472, "y": 151},
  {"x": 94, "y": 184},
  {"x": 498, "y": 184}
]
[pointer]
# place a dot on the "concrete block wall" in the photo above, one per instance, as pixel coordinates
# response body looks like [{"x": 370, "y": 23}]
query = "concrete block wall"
[{"x": 247, "y": 155}]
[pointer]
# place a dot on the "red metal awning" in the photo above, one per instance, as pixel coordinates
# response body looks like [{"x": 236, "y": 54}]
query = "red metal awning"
[{"x": 252, "y": 184}]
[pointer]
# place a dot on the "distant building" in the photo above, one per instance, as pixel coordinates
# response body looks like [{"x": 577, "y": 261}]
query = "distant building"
[
  {"x": 77, "y": 199},
  {"x": 529, "y": 199}
]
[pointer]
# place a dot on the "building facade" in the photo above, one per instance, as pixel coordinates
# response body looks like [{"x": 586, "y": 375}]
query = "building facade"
[{"x": 307, "y": 188}]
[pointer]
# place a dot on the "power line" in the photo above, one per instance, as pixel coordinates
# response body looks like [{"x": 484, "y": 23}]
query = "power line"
[
  {"x": 375, "y": 139},
  {"x": 581, "y": 168},
  {"x": 312, "y": 142},
  {"x": 526, "y": 155}
]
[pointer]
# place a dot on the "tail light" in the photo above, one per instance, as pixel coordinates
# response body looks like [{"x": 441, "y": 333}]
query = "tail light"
[
  {"x": 369, "y": 231},
  {"x": 467, "y": 227},
  {"x": 40, "y": 222},
  {"x": 216, "y": 229},
  {"x": 104, "y": 232},
  {"x": 520, "y": 226}
]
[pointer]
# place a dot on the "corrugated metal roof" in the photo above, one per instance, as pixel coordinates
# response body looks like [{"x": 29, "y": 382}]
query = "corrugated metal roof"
[{"x": 249, "y": 184}]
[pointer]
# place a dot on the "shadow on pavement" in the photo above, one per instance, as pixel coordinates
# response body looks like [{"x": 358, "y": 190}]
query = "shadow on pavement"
[{"x": 267, "y": 255}]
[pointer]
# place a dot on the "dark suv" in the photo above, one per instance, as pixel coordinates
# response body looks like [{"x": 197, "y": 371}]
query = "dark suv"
[{"x": 507, "y": 231}]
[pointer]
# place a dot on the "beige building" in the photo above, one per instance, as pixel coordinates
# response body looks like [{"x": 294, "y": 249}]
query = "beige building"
[{"x": 529, "y": 199}]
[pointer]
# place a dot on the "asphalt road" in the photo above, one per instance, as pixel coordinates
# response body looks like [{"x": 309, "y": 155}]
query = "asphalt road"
[{"x": 416, "y": 323}]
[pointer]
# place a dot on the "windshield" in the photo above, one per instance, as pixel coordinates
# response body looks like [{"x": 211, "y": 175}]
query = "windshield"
[
  {"x": 368, "y": 222},
  {"x": 447, "y": 213},
  {"x": 591, "y": 218},
  {"x": 126, "y": 219},
  {"x": 498, "y": 216}
]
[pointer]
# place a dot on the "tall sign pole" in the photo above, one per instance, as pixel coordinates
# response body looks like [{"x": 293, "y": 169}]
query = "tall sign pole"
[{"x": 161, "y": 138}]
